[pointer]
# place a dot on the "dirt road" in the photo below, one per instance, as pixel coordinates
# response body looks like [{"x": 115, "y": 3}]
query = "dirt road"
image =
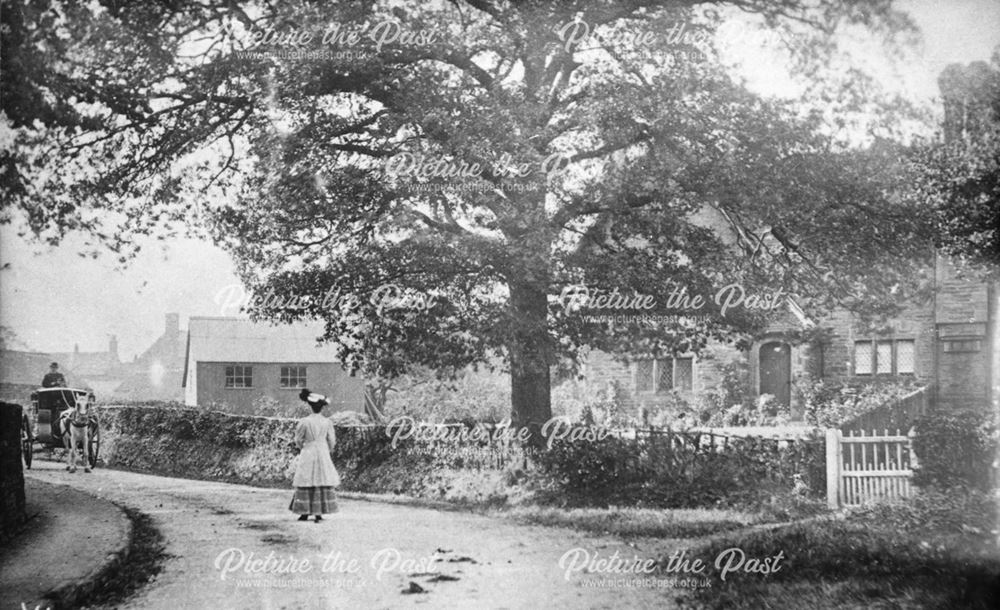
[{"x": 234, "y": 546}]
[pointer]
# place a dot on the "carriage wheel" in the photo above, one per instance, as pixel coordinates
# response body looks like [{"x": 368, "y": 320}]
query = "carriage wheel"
[
  {"x": 27, "y": 442},
  {"x": 26, "y": 451},
  {"x": 95, "y": 446}
]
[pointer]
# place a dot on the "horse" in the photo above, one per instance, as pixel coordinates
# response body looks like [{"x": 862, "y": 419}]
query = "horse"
[{"x": 74, "y": 425}]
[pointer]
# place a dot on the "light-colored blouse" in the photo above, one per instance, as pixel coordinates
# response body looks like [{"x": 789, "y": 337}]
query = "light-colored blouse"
[{"x": 316, "y": 437}]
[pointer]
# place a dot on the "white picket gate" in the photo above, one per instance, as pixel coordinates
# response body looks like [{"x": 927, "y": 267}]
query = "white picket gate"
[{"x": 863, "y": 468}]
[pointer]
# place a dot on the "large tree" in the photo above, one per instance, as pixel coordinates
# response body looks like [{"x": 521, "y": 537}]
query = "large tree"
[
  {"x": 960, "y": 173},
  {"x": 627, "y": 160}
]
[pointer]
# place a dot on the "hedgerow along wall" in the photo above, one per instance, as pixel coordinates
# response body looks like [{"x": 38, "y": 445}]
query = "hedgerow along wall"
[{"x": 656, "y": 469}]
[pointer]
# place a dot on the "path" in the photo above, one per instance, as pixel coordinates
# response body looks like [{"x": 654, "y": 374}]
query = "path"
[{"x": 372, "y": 552}]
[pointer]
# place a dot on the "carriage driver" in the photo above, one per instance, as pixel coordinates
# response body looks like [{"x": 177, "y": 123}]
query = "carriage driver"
[{"x": 54, "y": 379}]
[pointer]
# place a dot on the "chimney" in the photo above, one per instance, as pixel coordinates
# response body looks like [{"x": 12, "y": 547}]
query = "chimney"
[
  {"x": 173, "y": 325},
  {"x": 113, "y": 346}
]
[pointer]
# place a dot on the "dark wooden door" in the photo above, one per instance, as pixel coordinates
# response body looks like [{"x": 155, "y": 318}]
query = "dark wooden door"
[{"x": 776, "y": 371}]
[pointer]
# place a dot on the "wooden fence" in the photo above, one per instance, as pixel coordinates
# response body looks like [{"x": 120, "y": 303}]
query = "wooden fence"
[
  {"x": 861, "y": 466},
  {"x": 896, "y": 414},
  {"x": 868, "y": 467},
  {"x": 641, "y": 456}
]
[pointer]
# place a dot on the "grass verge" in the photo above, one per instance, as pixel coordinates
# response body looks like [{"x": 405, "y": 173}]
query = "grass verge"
[
  {"x": 627, "y": 522},
  {"x": 938, "y": 550},
  {"x": 146, "y": 555}
]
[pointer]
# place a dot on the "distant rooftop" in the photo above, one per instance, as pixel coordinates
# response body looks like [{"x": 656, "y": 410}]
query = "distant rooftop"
[
  {"x": 28, "y": 368},
  {"x": 219, "y": 339}
]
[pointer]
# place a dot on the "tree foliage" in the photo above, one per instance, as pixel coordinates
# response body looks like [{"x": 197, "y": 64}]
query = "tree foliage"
[
  {"x": 960, "y": 174},
  {"x": 668, "y": 172}
]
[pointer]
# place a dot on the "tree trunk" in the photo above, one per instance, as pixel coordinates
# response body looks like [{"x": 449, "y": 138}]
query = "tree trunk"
[{"x": 530, "y": 350}]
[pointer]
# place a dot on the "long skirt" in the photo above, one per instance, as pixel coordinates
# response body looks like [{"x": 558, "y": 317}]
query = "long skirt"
[{"x": 313, "y": 501}]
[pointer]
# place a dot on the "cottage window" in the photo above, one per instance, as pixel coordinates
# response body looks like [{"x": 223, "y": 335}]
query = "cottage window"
[
  {"x": 293, "y": 377},
  {"x": 683, "y": 373},
  {"x": 905, "y": 357},
  {"x": 863, "y": 358},
  {"x": 884, "y": 357},
  {"x": 645, "y": 376},
  {"x": 663, "y": 375},
  {"x": 238, "y": 376}
]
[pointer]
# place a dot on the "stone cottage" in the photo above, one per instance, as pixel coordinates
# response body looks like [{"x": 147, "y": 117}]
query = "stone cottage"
[{"x": 948, "y": 344}]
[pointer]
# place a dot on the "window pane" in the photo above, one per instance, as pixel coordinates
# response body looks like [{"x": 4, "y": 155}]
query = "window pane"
[
  {"x": 883, "y": 359},
  {"x": 644, "y": 376},
  {"x": 863, "y": 358},
  {"x": 664, "y": 375},
  {"x": 904, "y": 357},
  {"x": 293, "y": 377},
  {"x": 238, "y": 376},
  {"x": 684, "y": 373}
]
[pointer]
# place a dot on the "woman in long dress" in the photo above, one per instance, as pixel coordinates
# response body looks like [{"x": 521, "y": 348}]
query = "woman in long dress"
[{"x": 315, "y": 475}]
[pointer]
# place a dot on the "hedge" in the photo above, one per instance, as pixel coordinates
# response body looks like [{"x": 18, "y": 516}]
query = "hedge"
[
  {"x": 671, "y": 470},
  {"x": 200, "y": 444},
  {"x": 956, "y": 450},
  {"x": 674, "y": 470}
]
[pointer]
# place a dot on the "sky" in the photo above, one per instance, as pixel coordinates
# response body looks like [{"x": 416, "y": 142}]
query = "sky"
[{"x": 53, "y": 299}]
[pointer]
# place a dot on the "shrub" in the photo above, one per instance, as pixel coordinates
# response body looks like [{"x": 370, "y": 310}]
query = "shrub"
[
  {"x": 955, "y": 449},
  {"x": 955, "y": 511},
  {"x": 471, "y": 395},
  {"x": 674, "y": 470},
  {"x": 763, "y": 412},
  {"x": 671, "y": 411},
  {"x": 831, "y": 404},
  {"x": 607, "y": 407},
  {"x": 610, "y": 407},
  {"x": 665, "y": 469},
  {"x": 733, "y": 394},
  {"x": 732, "y": 402}
]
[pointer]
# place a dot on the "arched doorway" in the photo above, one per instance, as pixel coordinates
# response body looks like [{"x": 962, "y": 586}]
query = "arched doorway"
[{"x": 776, "y": 371}]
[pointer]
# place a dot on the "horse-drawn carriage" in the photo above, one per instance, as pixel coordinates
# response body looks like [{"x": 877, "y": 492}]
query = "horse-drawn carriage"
[{"x": 57, "y": 416}]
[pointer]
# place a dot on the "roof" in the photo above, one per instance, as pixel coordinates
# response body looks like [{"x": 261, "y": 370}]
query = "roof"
[
  {"x": 89, "y": 364},
  {"x": 167, "y": 349},
  {"x": 242, "y": 340},
  {"x": 28, "y": 368},
  {"x": 152, "y": 384},
  {"x": 67, "y": 388}
]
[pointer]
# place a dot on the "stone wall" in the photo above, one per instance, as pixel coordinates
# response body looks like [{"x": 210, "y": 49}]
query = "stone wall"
[
  {"x": 602, "y": 369},
  {"x": 954, "y": 331},
  {"x": 915, "y": 323},
  {"x": 963, "y": 354},
  {"x": 12, "y": 514},
  {"x": 950, "y": 330}
]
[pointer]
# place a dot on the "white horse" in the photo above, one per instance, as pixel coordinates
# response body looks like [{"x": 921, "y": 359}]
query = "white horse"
[{"x": 75, "y": 427}]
